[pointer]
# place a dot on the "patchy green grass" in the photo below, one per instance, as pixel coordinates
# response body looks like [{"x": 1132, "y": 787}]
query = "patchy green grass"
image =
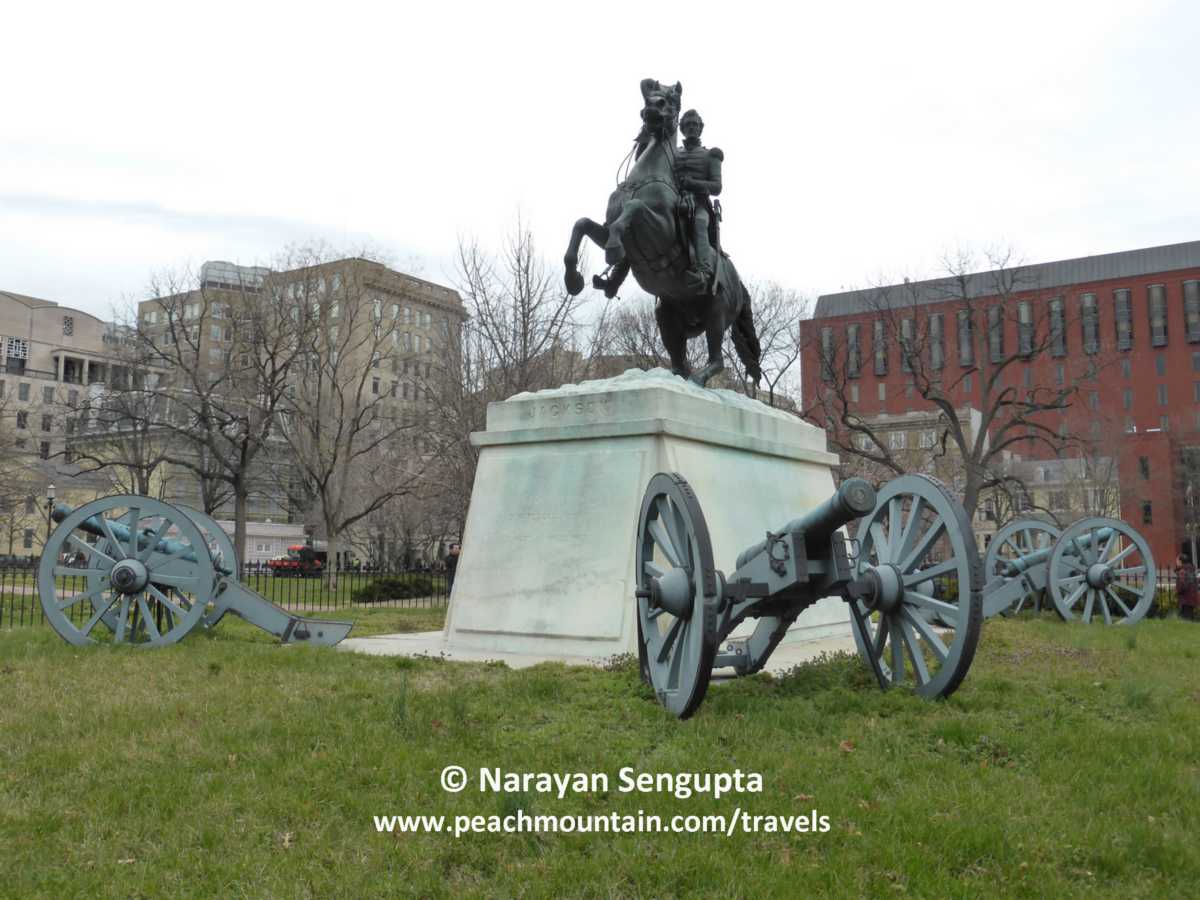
[{"x": 1067, "y": 764}]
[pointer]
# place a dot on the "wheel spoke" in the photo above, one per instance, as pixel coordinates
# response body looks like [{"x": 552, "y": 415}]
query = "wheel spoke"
[
  {"x": 914, "y": 652},
  {"x": 879, "y": 639},
  {"x": 658, "y": 531},
  {"x": 942, "y": 568},
  {"x": 155, "y": 538},
  {"x": 678, "y": 659},
  {"x": 151, "y": 626},
  {"x": 897, "y": 642},
  {"x": 669, "y": 641},
  {"x": 90, "y": 549},
  {"x": 113, "y": 543},
  {"x": 162, "y": 598},
  {"x": 1124, "y": 553},
  {"x": 1102, "y": 597},
  {"x": 666, "y": 515},
  {"x": 1103, "y": 554},
  {"x": 923, "y": 546},
  {"x": 122, "y": 619},
  {"x": 910, "y": 527},
  {"x": 101, "y": 609},
  {"x": 87, "y": 595},
  {"x": 1117, "y": 600},
  {"x": 1071, "y": 600},
  {"x": 69, "y": 572},
  {"x": 946, "y": 609},
  {"x": 1133, "y": 570},
  {"x": 1080, "y": 552},
  {"x": 1087, "y": 607},
  {"x": 179, "y": 582},
  {"x": 894, "y": 514},
  {"x": 135, "y": 516},
  {"x": 879, "y": 542},
  {"x": 1071, "y": 579}
]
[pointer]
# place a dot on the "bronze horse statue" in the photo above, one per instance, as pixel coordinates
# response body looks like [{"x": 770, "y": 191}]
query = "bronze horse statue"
[{"x": 642, "y": 232}]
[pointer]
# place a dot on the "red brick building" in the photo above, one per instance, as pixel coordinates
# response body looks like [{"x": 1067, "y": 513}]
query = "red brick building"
[{"x": 1124, "y": 328}]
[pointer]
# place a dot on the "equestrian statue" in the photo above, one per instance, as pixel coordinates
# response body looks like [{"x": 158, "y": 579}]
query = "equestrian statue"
[{"x": 663, "y": 225}]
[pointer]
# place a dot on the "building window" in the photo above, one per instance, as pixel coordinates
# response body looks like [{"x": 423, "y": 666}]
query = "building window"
[
  {"x": 906, "y": 344},
  {"x": 1157, "y": 297},
  {"x": 1191, "y": 310},
  {"x": 1058, "y": 328},
  {"x": 29, "y": 506},
  {"x": 827, "y": 354},
  {"x": 1123, "y": 306},
  {"x": 1060, "y": 374},
  {"x": 881, "y": 360},
  {"x": 1160, "y": 365},
  {"x": 47, "y": 396},
  {"x": 898, "y": 440},
  {"x": 1025, "y": 327},
  {"x": 28, "y": 539},
  {"x": 374, "y": 385},
  {"x": 47, "y": 423},
  {"x": 1093, "y": 399},
  {"x": 72, "y": 399},
  {"x": 1147, "y": 512},
  {"x": 966, "y": 342},
  {"x": 853, "y": 393},
  {"x": 966, "y": 384},
  {"x": 853, "y": 352},
  {"x": 1127, "y": 398},
  {"x": 23, "y": 391},
  {"x": 1196, "y": 391},
  {"x": 937, "y": 341},
  {"x": 44, "y": 449},
  {"x": 882, "y": 390},
  {"x": 996, "y": 333},
  {"x": 1127, "y": 368},
  {"x": 1144, "y": 467},
  {"x": 1164, "y": 422},
  {"x": 1090, "y": 320},
  {"x": 928, "y": 439},
  {"x": 22, "y": 419},
  {"x": 1162, "y": 395},
  {"x": 1027, "y": 376}
]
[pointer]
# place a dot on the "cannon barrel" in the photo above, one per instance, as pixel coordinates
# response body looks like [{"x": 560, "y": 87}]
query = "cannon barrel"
[
  {"x": 121, "y": 533},
  {"x": 1014, "y": 567},
  {"x": 853, "y": 499}
]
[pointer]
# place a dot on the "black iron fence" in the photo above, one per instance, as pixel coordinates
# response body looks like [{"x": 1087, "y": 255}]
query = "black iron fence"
[{"x": 331, "y": 591}]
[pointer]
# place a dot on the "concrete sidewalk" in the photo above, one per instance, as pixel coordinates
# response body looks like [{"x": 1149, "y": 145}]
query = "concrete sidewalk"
[{"x": 433, "y": 643}]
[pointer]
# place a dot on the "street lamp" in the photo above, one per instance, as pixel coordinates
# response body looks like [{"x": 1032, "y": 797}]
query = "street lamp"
[{"x": 49, "y": 511}]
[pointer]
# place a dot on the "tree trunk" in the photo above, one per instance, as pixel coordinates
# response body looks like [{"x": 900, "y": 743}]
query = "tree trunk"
[
  {"x": 331, "y": 554},
  {"x": 240, "y": 502}
]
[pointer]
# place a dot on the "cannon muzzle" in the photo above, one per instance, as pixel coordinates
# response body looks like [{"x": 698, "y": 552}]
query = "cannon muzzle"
[{"x": 853, "y": 499}]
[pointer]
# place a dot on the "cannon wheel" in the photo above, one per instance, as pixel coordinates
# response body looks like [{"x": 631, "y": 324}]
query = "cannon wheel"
[
  {"x": 1115, "y": 579},
  {"x": 155, "y": 599},
  {"x": 915, "y": 516},
  {"x": 220, "y": 549},
  {"x": 1018, "y": 538},
  {"x": 677, "y": 594}
]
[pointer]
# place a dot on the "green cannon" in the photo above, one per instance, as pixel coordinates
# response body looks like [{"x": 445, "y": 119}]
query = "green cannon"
[
  {"x": 1097, "y": 569},
  {"x": 912, "y": 535},
  {"x": 150, "y": 573}
]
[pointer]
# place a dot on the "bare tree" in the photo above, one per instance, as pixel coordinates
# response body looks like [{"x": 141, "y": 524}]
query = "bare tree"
[
  {"x": 778, "y": 314},
  {"x": 980, "y": 370},
  {"x": 523, "y": 333}
]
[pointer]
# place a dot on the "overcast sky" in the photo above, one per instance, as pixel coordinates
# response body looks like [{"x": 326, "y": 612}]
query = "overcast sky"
[{"x": 862, "y": 142}]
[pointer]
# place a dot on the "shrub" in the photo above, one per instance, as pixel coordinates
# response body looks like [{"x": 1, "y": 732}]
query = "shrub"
[{"x": 394, "y": 587}]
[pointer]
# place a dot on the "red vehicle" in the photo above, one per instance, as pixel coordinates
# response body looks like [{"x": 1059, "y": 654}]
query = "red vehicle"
[{"x": 301, "y": 561}]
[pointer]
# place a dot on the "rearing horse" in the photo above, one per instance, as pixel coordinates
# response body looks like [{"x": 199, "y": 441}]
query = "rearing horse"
[{"x": 642, "y": 232}]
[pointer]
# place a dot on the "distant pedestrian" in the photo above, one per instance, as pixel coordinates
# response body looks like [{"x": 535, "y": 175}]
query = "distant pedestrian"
[
  {"x": 1185, "y": 587},
  {"x": 452, "y": 565}
]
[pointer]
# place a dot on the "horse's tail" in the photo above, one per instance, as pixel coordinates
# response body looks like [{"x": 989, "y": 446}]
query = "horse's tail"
[{"x": 745, "y": 338}]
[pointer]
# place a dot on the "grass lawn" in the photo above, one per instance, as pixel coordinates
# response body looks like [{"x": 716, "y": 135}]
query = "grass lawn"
[{"x": 1067, "y": 764}]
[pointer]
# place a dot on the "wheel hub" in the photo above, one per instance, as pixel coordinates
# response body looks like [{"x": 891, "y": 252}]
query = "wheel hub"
[
  {"x": 129, "y": 576},
  {"x": 887, "y": 588},
  {"x": 1099, "y": 575},
  {"x": 673, "y": 592}
]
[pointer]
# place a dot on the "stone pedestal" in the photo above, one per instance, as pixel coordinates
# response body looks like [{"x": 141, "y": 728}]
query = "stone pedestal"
[{"x": 548, "y": 548}]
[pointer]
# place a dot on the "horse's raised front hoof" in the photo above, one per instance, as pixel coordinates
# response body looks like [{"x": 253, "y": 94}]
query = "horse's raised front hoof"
[{"x": 574, "y": 282}]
